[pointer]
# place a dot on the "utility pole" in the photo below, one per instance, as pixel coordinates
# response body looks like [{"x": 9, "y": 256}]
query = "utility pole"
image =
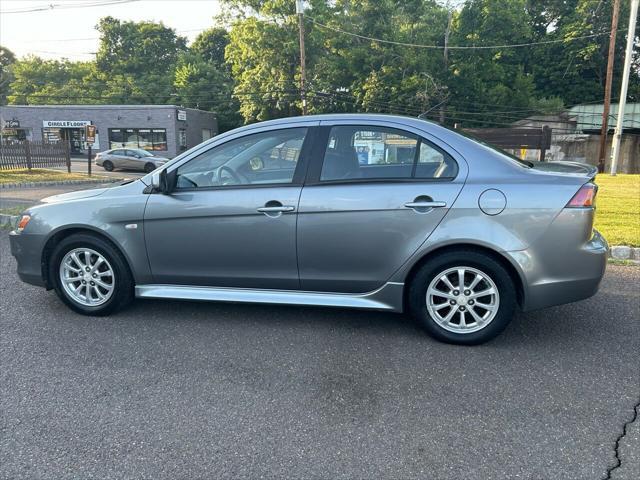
[
  {"x": 607, "y": 88},
  {"x": 446, "y": 57},
  {"x": 615, "y": 147},
  {"x": 303, "y": 74}
]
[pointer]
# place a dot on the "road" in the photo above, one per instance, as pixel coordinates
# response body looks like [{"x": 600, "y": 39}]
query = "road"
[
  {"x": 79, "y": 165},
  {"x": 183, "y": 390}
]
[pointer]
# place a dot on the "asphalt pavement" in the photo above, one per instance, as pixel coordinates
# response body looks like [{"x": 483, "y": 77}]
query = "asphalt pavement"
[
  {"x": 79, "y": 165},
  {"x": 183, "y": 390}
]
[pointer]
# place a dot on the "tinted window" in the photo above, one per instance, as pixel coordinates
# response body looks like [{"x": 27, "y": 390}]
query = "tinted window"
[
  {"x": 434, "y": 163},
  {"x": 261, "y": 158},
  {"x": 145, "y": 138},
  {"x": 366, "y": 152},
  {"x": 117, "y": 152}
]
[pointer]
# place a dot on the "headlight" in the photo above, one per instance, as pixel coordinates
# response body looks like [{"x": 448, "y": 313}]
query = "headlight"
[{"x": 22, "y": 223}]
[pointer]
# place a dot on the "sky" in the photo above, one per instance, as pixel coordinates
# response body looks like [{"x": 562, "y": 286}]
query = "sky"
[{"x": 68, "y": 30}]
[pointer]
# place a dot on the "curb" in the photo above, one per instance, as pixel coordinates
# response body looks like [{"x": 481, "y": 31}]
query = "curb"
[
  {"x": 622, "y": 252},
  {"x": 60, "y": 182}
]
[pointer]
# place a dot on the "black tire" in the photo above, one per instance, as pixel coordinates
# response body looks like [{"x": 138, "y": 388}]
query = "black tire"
[
  {"x": 123, "y": 291},
  {"x": 107, "y": 165},
  {"x": 149, "y": 167},
  {"x": 489, "y": 266}
]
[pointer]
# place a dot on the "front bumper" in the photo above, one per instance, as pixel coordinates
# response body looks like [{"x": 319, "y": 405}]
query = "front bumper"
[
  {"x": 558, "y": 271},
  {"x": 27, "y": 249}
]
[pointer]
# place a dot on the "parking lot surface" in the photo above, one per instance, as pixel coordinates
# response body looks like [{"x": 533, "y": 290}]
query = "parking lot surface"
[{"x": 185, "y": 390}]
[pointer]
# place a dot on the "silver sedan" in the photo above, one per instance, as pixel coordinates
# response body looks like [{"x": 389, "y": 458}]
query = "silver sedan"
[
  {"x": 129, "y": 159},
  {"x": 362, "y": 211}
]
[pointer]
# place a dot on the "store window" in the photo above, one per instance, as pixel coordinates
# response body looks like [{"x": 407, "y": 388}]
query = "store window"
[
  {"x": 145, "y": 138},
  {"x": 207, "y": 133},
  {"x": 182, "y": 139}
]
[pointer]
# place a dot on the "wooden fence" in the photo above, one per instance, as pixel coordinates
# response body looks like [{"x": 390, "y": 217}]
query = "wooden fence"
[
  {"x": 523, "y": 137},
  {"x": 27, "y": 154}
]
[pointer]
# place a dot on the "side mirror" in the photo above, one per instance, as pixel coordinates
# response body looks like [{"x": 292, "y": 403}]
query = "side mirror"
[
  {"x": 164, "y": 182},
  {"x": 155, "y": 180}
]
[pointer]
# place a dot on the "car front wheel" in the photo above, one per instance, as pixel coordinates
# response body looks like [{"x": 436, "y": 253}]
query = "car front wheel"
[
  {"x": 463, "y": 297},
  {"x": 149, "y": 167},
  {"x": 90, "y": 275}
]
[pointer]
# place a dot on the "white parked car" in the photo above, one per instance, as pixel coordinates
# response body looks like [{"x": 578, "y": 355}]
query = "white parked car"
[{"x": 129, "y": 159}]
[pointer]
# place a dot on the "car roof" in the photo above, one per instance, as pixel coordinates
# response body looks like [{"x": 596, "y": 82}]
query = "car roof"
[{"x": 450, "y": 137}]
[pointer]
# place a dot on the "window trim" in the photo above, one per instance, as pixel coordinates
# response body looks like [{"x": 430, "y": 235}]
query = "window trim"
[
  {"x": 299, "y": 173},
  {"x": 315, "y": 171}
]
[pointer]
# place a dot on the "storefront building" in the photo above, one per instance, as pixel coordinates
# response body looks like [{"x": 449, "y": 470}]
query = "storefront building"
[{"x": 166, "y": 130}]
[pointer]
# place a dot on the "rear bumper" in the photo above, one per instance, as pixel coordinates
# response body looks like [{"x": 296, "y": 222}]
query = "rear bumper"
[
  {"x": 27, "y": 249},
  {"x": 555, "y": 273}
]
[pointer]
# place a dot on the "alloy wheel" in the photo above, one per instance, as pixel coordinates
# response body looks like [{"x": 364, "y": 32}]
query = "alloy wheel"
[
  {"x": 87, "y": 277},
  {"x": 462, "y": 299}
]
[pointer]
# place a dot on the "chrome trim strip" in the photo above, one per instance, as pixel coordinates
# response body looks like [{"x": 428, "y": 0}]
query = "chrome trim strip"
[{"x": 388, "y": 297}]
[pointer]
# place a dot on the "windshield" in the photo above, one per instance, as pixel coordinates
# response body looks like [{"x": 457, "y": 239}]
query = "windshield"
[{"x": 143, "y": 153}]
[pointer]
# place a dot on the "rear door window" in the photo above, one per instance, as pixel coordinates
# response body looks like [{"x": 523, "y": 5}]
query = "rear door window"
[{"x": 364, "y": 153}]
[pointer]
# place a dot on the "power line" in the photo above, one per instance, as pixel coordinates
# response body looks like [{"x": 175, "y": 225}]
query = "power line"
[
  {"x": 454, "y": 47},
  {"x": 66, "y": 6}
]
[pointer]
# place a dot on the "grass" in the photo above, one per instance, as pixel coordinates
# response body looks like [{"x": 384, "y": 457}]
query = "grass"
[
  {"x": 38, "y": 175},
  {"x": 618, "y": 209},
  {"x": 17, "y": 210}
]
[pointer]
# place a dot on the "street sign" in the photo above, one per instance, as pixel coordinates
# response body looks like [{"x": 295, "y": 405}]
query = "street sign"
[{"x": 90, "y": 134}]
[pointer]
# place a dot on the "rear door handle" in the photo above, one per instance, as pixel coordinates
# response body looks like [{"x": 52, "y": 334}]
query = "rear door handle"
[
  {"x": 280, "y": 209},
  {"x": 425, "y": 204}
]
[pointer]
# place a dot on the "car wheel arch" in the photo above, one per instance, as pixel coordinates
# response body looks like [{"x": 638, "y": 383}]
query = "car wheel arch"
[
  {"x": 60, "y": 234},
  {"x": 472, "y": 247}
]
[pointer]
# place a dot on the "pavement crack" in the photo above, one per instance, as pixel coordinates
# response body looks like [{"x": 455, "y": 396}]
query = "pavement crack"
[{"x": 618, "y": 463}]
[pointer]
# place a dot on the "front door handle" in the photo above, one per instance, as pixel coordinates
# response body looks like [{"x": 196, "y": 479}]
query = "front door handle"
[{"x": 274, "y": 208}]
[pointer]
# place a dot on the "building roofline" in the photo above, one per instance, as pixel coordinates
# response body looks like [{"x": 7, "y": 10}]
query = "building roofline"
[{"x": 107, "y": 107}]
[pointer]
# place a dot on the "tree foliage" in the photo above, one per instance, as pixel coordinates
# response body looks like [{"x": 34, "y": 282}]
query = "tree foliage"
[{"x": 246, "y": 67}]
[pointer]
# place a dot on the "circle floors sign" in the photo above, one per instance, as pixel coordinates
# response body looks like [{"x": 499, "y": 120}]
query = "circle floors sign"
[{"x": 65, "y": 123}]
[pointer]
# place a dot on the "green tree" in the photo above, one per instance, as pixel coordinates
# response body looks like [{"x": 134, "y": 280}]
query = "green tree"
[
  {"x": 7, "y": 58},
  {"x": 202, "y": 84},
  {"x": 210, "y": 46},
  {"x": 37, "y": 81},
  {"x": 136, "y": 61}
]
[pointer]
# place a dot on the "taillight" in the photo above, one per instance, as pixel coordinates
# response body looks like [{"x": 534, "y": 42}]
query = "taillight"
[{"x": 585, "y": 197}]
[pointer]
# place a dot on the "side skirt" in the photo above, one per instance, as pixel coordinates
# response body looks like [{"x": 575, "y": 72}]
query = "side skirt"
[{"x": 388, "y": 297}]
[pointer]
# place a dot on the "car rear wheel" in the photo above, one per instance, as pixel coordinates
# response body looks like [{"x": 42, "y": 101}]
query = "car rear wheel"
[
  {"x": 463, "y": 297},
  {"x": 149, "y": 167},
  {"x": 107, "y": 165},
  {"x": 90, "y": 275}
]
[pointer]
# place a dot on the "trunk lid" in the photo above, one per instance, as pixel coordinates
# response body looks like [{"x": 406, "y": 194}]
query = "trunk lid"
[{"x": 575, "y": 169}]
